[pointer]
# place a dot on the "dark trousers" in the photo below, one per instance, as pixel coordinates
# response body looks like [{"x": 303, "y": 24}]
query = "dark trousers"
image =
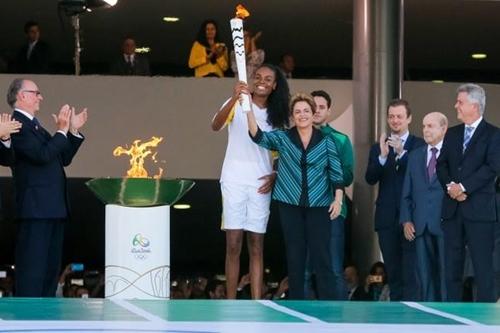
[
  {"x": 430, "y": 267},
  {"x": 399, "y": 259},
  {"x": 38, "y": 257},
  {"x": 307, "y": 229},
  {"x": 479, "y": 238}
]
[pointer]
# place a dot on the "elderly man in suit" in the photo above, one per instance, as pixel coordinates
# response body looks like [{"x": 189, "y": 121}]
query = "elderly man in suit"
[
  {"x": 387, "y": 166},
  {"x": 40, "y": 185},
  {"x": 467, "y": 169},
  {"x": 421, "y": 209},
  {"x": 130, "y": 63}
]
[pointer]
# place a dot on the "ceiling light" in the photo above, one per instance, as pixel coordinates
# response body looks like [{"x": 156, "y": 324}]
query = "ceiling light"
[
  {"x": 170, "y": 19},
  {"x": 74, "y": 7},
  {"x": 182, "y": 206},
  {"x": 478, "y": 56}
]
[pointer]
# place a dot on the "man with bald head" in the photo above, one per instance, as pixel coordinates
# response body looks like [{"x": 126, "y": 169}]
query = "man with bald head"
[
  {"x": 40, "y": 186},
  {"x": 467, "y": 169},
  {"x": 421, "y": 209}
]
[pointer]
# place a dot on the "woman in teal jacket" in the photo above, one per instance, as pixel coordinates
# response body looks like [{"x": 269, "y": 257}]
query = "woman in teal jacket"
[{"x": 309, "y": 192}]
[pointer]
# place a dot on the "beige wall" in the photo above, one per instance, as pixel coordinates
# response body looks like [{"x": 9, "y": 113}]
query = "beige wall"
[
  {"x": 425, "y": 97},
  {"x": 180, "y": 109},
  {"x": 125, "y": 108}
]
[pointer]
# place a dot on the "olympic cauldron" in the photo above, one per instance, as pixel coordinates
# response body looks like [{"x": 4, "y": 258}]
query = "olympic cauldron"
[{"x": 137, "y": 250}]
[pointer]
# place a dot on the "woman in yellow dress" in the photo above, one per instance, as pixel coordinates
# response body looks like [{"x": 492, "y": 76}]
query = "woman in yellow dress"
[{"x": 209, "y": 56}]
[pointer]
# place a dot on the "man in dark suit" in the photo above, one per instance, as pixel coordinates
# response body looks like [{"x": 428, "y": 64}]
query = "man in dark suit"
[
  {"x": 467, "y": 169},
  {"x": 421, "y": 209},
  {"x": 40, "y": 185},
  {"x": 130, "y": 63},
  {"x": 387, "y": 166},
  {"x": 34, "y": 56}
]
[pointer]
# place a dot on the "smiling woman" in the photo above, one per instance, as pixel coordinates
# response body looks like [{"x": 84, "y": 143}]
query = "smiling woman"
[
  {"x": 208, "y": 55},
  {"x": 309, "y": 171}
]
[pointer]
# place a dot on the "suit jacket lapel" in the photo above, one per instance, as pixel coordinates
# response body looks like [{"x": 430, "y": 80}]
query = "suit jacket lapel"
[{"x": 28, "y": 124}]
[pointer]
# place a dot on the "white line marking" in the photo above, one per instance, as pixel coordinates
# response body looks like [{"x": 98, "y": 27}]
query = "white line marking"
[
  {"x": 442, "y": 314},
  {"x": 138, "y": 311},
  {"x": 291, "y": 312}
]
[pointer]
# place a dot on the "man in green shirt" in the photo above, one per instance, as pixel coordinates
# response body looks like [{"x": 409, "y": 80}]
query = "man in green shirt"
[{"x": 344, "y": 148}]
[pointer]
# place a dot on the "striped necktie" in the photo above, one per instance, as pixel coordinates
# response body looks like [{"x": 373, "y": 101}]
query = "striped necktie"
[{"x": 467, "y": 136}]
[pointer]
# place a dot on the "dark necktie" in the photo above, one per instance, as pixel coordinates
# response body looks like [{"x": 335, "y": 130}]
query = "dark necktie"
[
  {"x": 431, "y": 167},
  {"x": 39, "y": 128},
  {"x": 36, "y": 123}
]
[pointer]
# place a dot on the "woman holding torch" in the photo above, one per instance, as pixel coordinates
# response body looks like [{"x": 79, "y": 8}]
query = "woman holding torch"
[{"x": 247, "y": 173}]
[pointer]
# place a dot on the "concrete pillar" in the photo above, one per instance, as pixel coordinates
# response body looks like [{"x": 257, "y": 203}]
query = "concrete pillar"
[{"x": 376, "y": 80}]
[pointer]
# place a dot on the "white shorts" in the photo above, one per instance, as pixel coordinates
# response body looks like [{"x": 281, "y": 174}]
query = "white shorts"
[{"x": 243, "y": 208}]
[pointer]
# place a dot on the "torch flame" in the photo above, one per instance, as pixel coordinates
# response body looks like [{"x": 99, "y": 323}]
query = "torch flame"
[
  {"x": 242, "y": 12},
  {"x": 138, "y": 153}
]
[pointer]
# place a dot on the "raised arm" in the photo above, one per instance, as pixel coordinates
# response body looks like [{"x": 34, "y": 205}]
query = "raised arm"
[{"x": 220, "y": 118}]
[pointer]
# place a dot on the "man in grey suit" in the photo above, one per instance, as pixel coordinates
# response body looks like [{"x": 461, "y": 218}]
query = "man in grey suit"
[
  {"x": 467, "y": 169},
  {"x": 421, "y": 202}
]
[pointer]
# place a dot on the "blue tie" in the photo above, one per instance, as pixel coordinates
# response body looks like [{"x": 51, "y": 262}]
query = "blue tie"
[
  {"x": 467, "y": 136},
  {"x": 36, "y": 123}
]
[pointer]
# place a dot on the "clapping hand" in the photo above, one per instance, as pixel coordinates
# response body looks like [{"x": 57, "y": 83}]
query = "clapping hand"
[
  {"x": 8, "y": 126},
  {"x": 63, "y": 118},
  {"x": 78, "y": 120}
]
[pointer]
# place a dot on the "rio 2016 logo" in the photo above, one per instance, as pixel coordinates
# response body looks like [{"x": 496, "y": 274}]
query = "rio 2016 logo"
[
  {"x": 140, "y": 248},
  {"x": 140, "y": 240}
]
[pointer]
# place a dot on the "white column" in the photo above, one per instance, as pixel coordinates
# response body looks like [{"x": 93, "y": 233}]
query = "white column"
[{"x": 137, "y": 252}]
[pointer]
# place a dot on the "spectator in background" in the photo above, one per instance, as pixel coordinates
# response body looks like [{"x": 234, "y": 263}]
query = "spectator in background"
[
  {"x": 376, "y": 283},
  {"x": 355, "y": 291},
  {"x": 209, "y": 56},
  {"x": 34, "y": 56},
  {"x": 198, "y": 290},
  {"x": 254, "y": 56},
  {"x": 287, "y": 65},
  {"x": 216, "y": 289},
  {"x": 130, "y": 63}
]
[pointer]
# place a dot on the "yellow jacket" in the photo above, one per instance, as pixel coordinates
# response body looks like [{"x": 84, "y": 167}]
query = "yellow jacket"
[{"x": 202, "y": 65}]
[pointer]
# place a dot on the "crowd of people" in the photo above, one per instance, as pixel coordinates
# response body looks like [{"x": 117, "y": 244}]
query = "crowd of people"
[{"x": 437, "y": 195}]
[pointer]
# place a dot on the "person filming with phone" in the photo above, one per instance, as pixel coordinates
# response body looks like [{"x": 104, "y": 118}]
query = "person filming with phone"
[
  {"x": 376, "y": 283},
  {"x": 386, "y": 167}
]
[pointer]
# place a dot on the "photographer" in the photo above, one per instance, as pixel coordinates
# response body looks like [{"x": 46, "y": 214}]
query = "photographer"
[{"x": 376, "y": 283}]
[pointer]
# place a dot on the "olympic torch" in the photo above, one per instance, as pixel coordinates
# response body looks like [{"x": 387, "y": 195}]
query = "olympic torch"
[{"x": 239, "y": 50}]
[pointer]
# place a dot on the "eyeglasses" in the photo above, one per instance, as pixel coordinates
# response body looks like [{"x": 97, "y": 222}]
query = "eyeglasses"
[{"x": 36, "y": 92}]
